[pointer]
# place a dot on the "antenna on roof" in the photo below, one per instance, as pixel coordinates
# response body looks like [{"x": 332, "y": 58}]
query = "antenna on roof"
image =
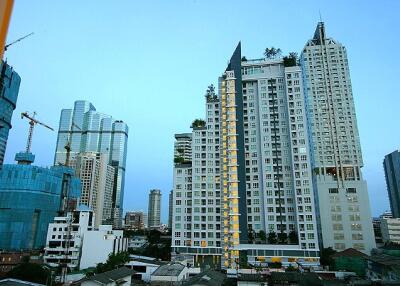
[{"x": 320, "y": 17}]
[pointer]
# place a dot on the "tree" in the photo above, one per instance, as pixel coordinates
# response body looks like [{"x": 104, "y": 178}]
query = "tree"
[
  {"x": 113, "y": 261},
  {"x": 290, "y": 60},
  {"x": 30, "y": 272},
  {"x": 272, "y": 53},
  {"x": 293, "y": 238},
  {"x": 244, "y": 59},
  {"x": 251, "y": 236},
  {"x": 179, "y": 160},
  {"x": 282, "y": 237},
  {"x": 326, "y": 256},
  {"x": 198, "y": 123},
  {"x": 262, "y": 236},
  {"x": 272, "y": 238},
  {"x": 290, "y": 268}
]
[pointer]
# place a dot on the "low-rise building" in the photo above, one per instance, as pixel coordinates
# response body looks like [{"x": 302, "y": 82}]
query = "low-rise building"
[
  {"x": 383, "y": 267},
  {"x": 17, "y": 282},
  {"x": 144, "y": 266},
  {"x": 134, "y": 220},
  {"x": 350, "y": 260},
  {"x": 390, "y": 229},
  {"x": 8, "y": 260},
  {"x": 138, "y": 241},
  {"x": 74, "y": 240},
  {"x": 120, "y": 276},
  {"x": 171, "y": 274}
]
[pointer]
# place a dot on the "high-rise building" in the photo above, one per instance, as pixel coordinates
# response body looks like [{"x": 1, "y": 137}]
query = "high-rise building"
[
  {"x": 30, "y": 198},
  {"x": 341, "y": 192},
  {"x": 87, "y": 130},
  {"x": 9, "y": 87},
  {"x": 97, "y": 180},
  {"x": 134, "y": 220},
  {"x": 154, "y": 210},
  {"x": 247, "y": 191},
  {"x": 170, "y": 208},
  {"x": 391, "y": 165},
  {"x": 183, "y": 147}
]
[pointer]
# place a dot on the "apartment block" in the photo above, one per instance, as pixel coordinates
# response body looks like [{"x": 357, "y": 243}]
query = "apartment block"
[
  {"x": 97, "y": 180},
  {"x": 391, "y": 165},
  {"x": 341, "y": 191},
  {"x": 250, "y": 171}
]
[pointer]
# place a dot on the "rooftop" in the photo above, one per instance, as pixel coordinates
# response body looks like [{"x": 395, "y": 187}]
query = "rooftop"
[
  {"x": 109, "y": 276},
  {"x": 173, "y": 269},
  {"x": 208, "y": 277},
  {"x": 17, "y": 282},
  {"x": 349, "y": 252}
]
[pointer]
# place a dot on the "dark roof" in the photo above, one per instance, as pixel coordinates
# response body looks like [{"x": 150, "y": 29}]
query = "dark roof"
[
  {"x": 17, "y": 282},
  {"x": 349, "y": 252},
  {"x": 155, "y": 262},
  {"x": 208, "y": 277},
  {"x": 285, "y": 276},
  {"x": 172, "y": 269},
  {"x": 255, "y": 277},
  {"x": 109, "y": 276},
  {"x": 387, "y": 260}
]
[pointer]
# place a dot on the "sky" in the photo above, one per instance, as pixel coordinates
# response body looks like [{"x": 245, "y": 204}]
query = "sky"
[{"x": 149, "y": 63}]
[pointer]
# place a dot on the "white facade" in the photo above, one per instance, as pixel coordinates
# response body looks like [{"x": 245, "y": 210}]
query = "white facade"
[
  {"x": 86, "y": 245},
  {"x": 97, "y": 180},
  {"x": 279, "y": 196},
  {"x": 390, "y": 228},
  {"x": 137, "y": 242},
  {"x": 98, "y": 244},
  {"x": 342, "y": 196},
  {"x": 183, "y": 147},
  {"x": 173, "y": 273}
]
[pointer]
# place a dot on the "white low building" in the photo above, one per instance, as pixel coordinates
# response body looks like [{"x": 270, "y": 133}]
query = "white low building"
[
  {"x": 74, "y": 240},
  {"x": 390, "y": 228},
  {"x": 137, "y": 241},
  {"x": 144, "y": 266},
  {"x": 120, "y": 276},
  {"x": 173, "y": 273}
]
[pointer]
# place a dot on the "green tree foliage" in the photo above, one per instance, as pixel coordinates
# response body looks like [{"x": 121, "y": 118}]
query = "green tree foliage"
[
  {"x": 326, "y": 256},
  {"x": 30, "y": 272},
  {"x": 262, "y": 236},
  {"x": 282, "y": 237},
  {"x": 197, "y": 123},
  {"x": 272, "y": 239},
  {"x": 293, "y": 238},
  {"x": 179, "y": 160},
  {"x": 290, "y": 60},
  {"x": 113, "y": 261},
  {"x": 272, "y": 53}
]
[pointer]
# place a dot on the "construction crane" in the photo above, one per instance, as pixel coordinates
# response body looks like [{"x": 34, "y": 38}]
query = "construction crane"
[
  {"x": 32, "y": 123},
  {"x": 67, "y": 146},
  {"x": 17, "y": 40}
]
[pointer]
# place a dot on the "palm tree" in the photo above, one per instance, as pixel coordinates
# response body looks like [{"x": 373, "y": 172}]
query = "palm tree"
[{"x": 272, "y": 53}]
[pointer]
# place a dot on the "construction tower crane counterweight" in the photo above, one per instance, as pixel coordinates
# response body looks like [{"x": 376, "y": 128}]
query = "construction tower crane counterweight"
[{"x": 32, "y": 122}]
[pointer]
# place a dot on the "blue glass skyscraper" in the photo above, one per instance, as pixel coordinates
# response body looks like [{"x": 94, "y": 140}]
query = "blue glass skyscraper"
[
  {"x": 90, "y": 131},
  {"x": 9, "y": 87},
  {"x": 30, "y": 198}
]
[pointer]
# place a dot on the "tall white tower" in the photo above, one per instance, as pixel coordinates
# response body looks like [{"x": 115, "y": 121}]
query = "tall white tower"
[{"x": 342, "y": 196}]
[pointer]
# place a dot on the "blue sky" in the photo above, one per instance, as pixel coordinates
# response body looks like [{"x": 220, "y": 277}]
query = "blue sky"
[{"x": 149, "y": 63}]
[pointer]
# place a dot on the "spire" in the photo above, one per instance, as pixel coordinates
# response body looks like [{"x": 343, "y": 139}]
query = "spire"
[{"x": 319, "y": 35}]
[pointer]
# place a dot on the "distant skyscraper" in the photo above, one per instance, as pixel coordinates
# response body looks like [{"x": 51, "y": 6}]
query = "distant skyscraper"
[
  {"x": 250, "y": 172},
  {"x": 170, "y": 208},
  {"x": 134, "y": 220},
  {"x": 342, "y": 195},
  {"x": 97, "y": 179},
  {"x": 154, "y": 211},
  {"x": 90, "y": 131},
  {"x": 391, "y": 165},
  {"x": 9, "y": 87}
]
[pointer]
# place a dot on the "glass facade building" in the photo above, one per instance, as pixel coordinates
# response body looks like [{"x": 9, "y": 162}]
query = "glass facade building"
[
  {"x": 30, "y": 198},
  {"x": 90, "y": 131},
  {"x": 9, "y": 87},
  {"x": 391, "y": 165}
]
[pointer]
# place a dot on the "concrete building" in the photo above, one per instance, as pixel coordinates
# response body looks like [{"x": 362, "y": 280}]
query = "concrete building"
[
  {"x": 90, "y": 131},
  {"x": 250, "y": 171},
  {"x": 341, "y": 191},
  {"x": 117, "y": 277},
  {"x": 73, "y": 239},
  {"x": 134, "y": 220},
  {"x": 183, "y": 147},
  {"x": 391, "y": 165},
  {"x": 172, "y": 273},
  {"x": 170, "y": 208},
  {"x": 30, "y": 198},
  {"x": 137, "y": 241},
  {"x": 154, "y": 210},
  {"x": 97, "y": 180},
  {"x": 144, "y": 266},
  {"x": 390, "y": 230},
  {"x": 9, "y": 88}
]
